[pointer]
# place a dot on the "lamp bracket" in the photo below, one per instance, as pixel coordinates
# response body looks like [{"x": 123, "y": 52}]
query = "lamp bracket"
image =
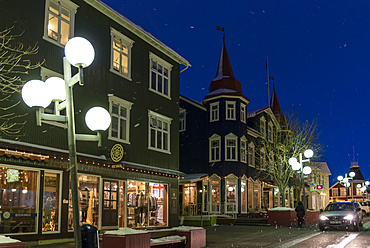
[
  {"x": 89, "y": 137},
  {"x": 49, "y": 117},
  {"x": 62, "y": 106}
]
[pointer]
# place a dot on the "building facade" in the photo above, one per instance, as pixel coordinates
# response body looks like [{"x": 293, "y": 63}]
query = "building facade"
[
  {"x": 132, "y": 179},
  {"x": 318, "y": 190}
]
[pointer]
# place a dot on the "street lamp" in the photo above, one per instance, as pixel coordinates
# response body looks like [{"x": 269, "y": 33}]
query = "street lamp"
[
  {"x": 345, "y": 181},
  {"x": 38, "y": 94},
  {"x": 363, "y": 188},
  {"x": 298, "y": 166}
]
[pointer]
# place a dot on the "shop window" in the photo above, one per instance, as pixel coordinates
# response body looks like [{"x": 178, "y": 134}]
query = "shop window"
[
  {"x": 159, "y": 132},
  {"x": 59, "y": 21},
  {"x": 50, "y": 215},
  {"x": 121, "y": 54},
  {"x": 257, "y": 196},
  {"x": 18, "y": 200},
  {"x": 215, "y": 196},
  {"x": 250, "y": 196},
  {"x": 231, "y": 198},
  {"x": 146, "y": 204},
  {"x": 122, "y": 205},
  {"x": 160, "y": 76},
  {"x": 243, "y": 191},
  {"x": 88, "y": 188},
  {"x": 110, "y": 203},
  {"x": 204, "y": 192},
  {"x": 119, "y": 129},
  {"x": 190, "y": 199}
]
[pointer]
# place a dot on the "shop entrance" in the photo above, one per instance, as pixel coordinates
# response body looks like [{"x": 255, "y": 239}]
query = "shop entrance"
[{"x": 110, "y": 204}]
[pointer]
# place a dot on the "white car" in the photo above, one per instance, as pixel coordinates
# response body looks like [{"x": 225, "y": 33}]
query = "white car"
[{"x": 365, "y": 205}]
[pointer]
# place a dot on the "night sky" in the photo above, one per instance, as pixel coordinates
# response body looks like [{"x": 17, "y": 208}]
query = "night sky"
[{"x": 318, "y": 54}]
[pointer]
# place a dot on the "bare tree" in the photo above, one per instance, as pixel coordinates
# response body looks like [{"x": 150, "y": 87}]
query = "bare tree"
[
  {"x": 288, "y": 143},
  {"x": 14, "y": 64}
]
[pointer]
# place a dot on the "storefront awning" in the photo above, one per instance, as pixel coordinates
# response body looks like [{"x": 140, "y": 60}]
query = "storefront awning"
[{"x": 191, "y": 178}]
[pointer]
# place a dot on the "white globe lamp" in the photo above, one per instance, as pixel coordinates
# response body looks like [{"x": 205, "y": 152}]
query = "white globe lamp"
[
  {"x": 340, "y": 178},
  {"x": 367, "y": 183},
  {"x": 296, "y": 166},
  {"x": 35, "y": 94},
  {"x": 56, "y": 88},
  {"x": 352, "y": 174},
  {"x": 79, "y": 52},
  {"x": 307, "y": 170},
  {"x": 97, "y": 119},
  {"x": 292, "y": 161},
  {"x": 308, "y": 153}
]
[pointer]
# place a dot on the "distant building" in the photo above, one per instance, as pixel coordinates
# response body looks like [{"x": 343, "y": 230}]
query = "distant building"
[{"x": 318, "y": 191}]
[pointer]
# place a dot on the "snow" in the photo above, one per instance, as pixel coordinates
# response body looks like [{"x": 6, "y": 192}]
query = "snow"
[
  {"x": 124, "y": 231},
  {"x": 6, "y": 240},
  {"x": 187, "y": 228},
  {"x": 168, "y": 238},
  {"x": 281, "y": 209}
]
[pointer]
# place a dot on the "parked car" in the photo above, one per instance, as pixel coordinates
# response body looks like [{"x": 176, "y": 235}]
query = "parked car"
[
  {"x": 365, "y": 207},
  {"x": 341, "y": 215}
]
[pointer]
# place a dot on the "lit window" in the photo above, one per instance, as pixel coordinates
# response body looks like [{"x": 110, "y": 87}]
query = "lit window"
[
  {"x": 159, "y": 132},
  {"x": 230, "y": 110},
  {"x": 243, "y": 149},
  {"x": 214, "y": 111},
  {"x": 121, "y": 54},
  {"x": 263, "y": 127},
  {"x": 270, "y": 132},
  {"x": 243, "y": 112},
  {"x": 215, "y": 148},
  {"x": 160, "y": 76},
  {"x": 251, "y": 155},
  {"x": 182, "y": 120},
  {"x": 231, "y": 147},
  {"x": 59, "y": 21},
  {"x": 119, "y": 110}
]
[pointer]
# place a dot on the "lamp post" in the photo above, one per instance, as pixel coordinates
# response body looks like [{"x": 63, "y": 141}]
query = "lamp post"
[
  {"x": 298, "y": 166},
  {"x": 363, "y": 188},
  {"x": 345, "y": 180},
  {"x": 35, "y": 93}
]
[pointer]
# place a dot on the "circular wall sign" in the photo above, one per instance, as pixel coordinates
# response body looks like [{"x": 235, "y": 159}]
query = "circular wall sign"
[
  {"x": 117, "y": 153},
  {"x": 6, "y": 215}
]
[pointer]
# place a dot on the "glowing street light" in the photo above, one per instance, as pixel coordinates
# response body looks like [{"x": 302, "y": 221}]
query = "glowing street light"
[
  {"x": 345, "y": 181},
  {"x": 363, "y": 188},
  {"x": 298, "y": 166},
  {"x": 37, "y": 94}
]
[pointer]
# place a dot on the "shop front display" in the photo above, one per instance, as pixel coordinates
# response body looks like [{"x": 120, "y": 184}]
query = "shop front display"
[
  {"x": 190, "y": 199},
  {"x": 51, "y": 204},
  {"x": 243, "y": 196},
  {"x": 18, "y": 200},
  {"x": 215, "y": 195},
  {"x": 231, "y": 182}
]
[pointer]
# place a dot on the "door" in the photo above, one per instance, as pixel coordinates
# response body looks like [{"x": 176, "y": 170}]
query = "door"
[{"x": 110, "y": 203}]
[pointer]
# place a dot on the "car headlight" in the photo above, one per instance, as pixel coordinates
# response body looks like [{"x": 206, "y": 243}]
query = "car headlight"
[
  {"x": 348, "y": 217},
  {"x": 323, "y": 218}
]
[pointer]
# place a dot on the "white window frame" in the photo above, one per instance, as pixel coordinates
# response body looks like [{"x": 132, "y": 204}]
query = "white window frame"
[
  {"x": 243, "y": 111},
  {"x": 243, "y": 150},
  {"x": 230, "y": 111},
  {"x": 72, "y": 7},
  {"x": 182, "y": 121},
  {"x": 217, "y": 149},
  {"x": 270, "y": 132},
  {"x": 129, "y": 43},
  {"x": 251, "y": 155},
  {"x": 164, "y": 120},
  {"x": 263, "y": 126},
  {"x": 214, "y": 111},
  {"x": 233, "y": 150},
  {"x": 121, "y": 104},
  {"x": 165, "y": 65}
]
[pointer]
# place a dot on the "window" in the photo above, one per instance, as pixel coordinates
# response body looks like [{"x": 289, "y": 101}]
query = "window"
[
  {"x": 230, "y": 110},
  {"x": 263, "y": 127},
  {"x": 51, "y": 205},
  {"x": 159, "y": 132},
  {"x": 242, "y": 112},
  {"x": 160, "y": 76},
  {"x": 251, "y": 155},
  {"x": 59, "y": 21},
  {"x": 215, "y": 148},
  {"x": 262, "y": 159},
  {"x": 243, "y": 149},
  {"x": 119, "y": 110},
  {"x": 120, "y": 54},
  {"x": 334, "y": 192},
  {"x": 270, "y": 132},
  {"x": 182, "y": 120},
  {"x": 214, "y": 111},
  {"x": 231, "y": 141}
]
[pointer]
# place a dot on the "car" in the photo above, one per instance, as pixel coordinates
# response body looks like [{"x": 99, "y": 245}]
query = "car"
[
  {"x": 365, "y": 207},
  {"x": 344, "y": 214}
]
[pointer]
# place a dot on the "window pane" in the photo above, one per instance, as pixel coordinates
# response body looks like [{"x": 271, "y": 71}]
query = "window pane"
[
  {"x": 115, "y": 109},
  {"x": 159, "y": 140},
  {"x": 116, "y": 60},
  {"x": 154, "y": 81},
  {"x": 123, "y": 112},
  {"x": 165, "y": 72},
  {"x": 165, "y": 141},
  {"x": 114, "y": 127},
  {"x": 124, "y": 65},
  {"x": 117, "y": 44},
  {"x": 64, "y": 33},
  {"x": 124, "y": 48},
  {"x": 154, "y": 65},
  {"x": 160, "y": 68},
  {"x": 165, "y": 86},
  {"x": 152, "y": 138},
  {"x": 66, "y": 14},
  {"x": 53, "y": 27},
  {"x": 54, "y": 7},
  {"x": 159, "y": 83},
  {"x": 159, "y": 124},
  {"x": 123, "y": 129},
  {"x": 165, "y": 126},
  {"x": 51, "y": 203}
]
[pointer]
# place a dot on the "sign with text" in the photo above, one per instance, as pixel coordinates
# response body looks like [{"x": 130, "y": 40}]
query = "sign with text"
[{"x": 173, "y": 201}]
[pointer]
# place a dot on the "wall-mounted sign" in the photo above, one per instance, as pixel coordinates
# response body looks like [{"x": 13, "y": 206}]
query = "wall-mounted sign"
[
  {"x": 319, "y": 187},
  {"x": 117, "y": 153},
  {"x": 24, "y": 155}
]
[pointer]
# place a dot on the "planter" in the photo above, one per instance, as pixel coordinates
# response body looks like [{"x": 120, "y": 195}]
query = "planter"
[{"x": 140, "y": 240}]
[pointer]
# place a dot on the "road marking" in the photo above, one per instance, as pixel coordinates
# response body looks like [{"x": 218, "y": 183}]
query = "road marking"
[
  {"x": 345, "y": 241},
  {"x": 296, "y": 241}
]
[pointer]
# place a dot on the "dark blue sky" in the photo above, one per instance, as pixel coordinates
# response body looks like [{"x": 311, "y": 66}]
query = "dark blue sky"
[{"x": 318, "y": 53}]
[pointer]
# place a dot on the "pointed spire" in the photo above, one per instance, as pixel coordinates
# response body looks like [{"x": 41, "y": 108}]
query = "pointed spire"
[
  {"x": 224, "y": 83},
  {"x": 275, "y": 107}
]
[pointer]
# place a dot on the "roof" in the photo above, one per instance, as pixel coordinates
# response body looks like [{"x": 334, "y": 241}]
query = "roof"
[
  {"x": 190, "y": 178},
  {"x": 137, "y": 30},
  {"x": 322, "y": 166},
  {"x": 356, "y": 169},
  {"x": 192, "y": 102},
  {"x": 225, "y": 82},
  {"x": 275, "y": 107}
]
